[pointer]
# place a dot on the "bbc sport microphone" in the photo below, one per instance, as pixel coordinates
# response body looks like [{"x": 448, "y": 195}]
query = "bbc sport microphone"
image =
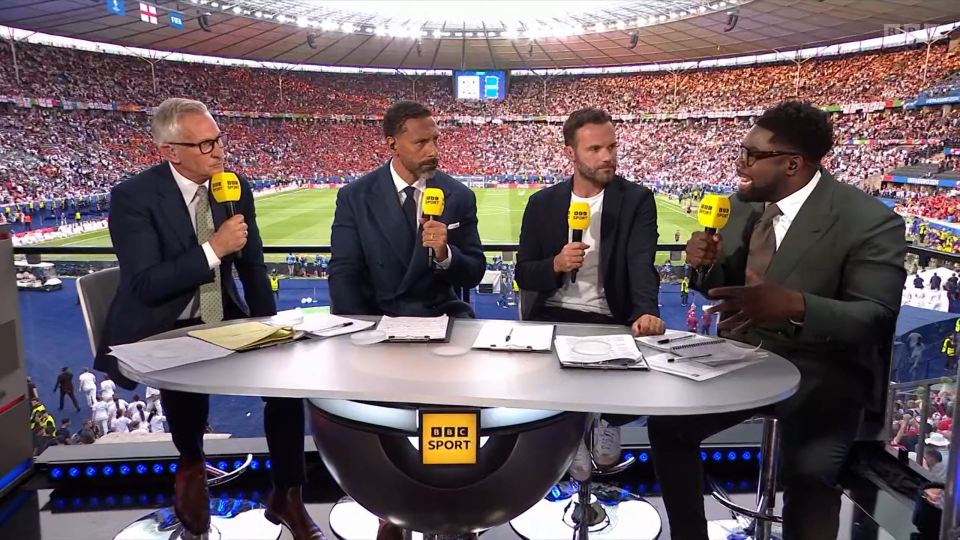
[
  {"x": 225, "y": 188},
  {"x": 714, "y": 213},
  {"x": 432, "y": 207},
  {"x": 578, "y": 219}
]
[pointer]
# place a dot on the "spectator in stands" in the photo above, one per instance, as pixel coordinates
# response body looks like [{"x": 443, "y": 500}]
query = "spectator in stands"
[
  {"x": 746, "y": 270},
  {"x": 65, "y": 386},
  {"x": 933, "y": 461},
  {"x": 63, "y": 433},
  {"x": 87, "y": 434}
]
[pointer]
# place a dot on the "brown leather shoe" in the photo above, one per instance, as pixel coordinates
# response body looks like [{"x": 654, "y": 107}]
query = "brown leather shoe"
[
  {"x": 192, "y": 502},
  {"x": 389, "y": 531},
  {"x": 285, "y": 507}
]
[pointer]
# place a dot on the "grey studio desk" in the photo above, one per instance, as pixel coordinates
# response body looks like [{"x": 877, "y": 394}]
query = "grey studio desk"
[
  {"x": 335, "y": 368},
  {"x": 413, "y": 373}
]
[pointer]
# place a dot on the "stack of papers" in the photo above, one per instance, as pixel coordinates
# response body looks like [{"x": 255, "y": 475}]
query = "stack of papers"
[
  {"x": 603, "y": 352},
  {"x": 415, "y": 328},
  {"x": 244, "y": 336},
  {"x": 147, "y": 356},
  {"x": 506, "y": 336}
]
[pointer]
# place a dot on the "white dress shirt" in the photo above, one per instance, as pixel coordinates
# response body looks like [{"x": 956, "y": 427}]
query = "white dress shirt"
[
  {"x": 790, "y": 206},
  {"x": 400, "y": 184},
  {"x": 188, "y": 188}
]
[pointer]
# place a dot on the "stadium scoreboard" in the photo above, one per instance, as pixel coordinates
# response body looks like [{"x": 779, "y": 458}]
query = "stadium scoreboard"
[{"x": 480, "y": 85}]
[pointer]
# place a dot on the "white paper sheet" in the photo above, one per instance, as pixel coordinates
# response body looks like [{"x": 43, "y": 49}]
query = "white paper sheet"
[
  {"x": 414, "y": 328},
  {"x": 595, "y": 349},
  {"x": 693, "y": 369},
  {"x": 331, "y": 325},
  {"x": 146, "y": 356},
  {"x": 527, "y": 337}
]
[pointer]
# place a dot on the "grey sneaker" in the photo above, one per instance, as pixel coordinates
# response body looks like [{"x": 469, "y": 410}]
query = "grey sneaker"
[
  {"x": 606, "y": 444},
  {"x": 582, "y": 466}
]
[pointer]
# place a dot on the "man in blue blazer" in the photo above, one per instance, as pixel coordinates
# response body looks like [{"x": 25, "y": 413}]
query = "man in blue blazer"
[
  {"x": 177, "y": 250},
  {"x": 380, "y": 263}
]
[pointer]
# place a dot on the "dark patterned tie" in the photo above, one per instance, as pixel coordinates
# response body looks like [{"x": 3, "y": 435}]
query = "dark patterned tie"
[
  {"x": 211, "y": 297},
  {"x": 410, "y": 208},
  {"x": 763, "y": 242}
]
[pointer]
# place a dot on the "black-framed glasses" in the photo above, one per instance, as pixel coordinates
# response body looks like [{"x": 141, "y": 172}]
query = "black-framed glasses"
[
  {"x": 206, "y": 146},
  {"x": 749, "y": 157}
]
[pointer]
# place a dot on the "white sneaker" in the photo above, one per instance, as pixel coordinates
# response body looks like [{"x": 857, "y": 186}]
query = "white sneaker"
[
  {"x": 606, "y": 444},
  {"x": 582, "y": 466}
]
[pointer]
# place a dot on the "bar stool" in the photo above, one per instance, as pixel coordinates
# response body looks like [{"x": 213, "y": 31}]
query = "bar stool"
[
  {"x": 592, "y": 510},
  {"x": 757, "y": 523}
]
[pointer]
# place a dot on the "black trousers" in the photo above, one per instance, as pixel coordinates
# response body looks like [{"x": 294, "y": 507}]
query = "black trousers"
[
  {"x": 72, "y": 398},
  {"x": 283, "y": 420},
  {"x": 819, "y": 424}
]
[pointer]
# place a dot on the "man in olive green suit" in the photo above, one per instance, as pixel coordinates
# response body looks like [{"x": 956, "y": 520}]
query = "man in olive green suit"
[{"x": 812, "y": 269}]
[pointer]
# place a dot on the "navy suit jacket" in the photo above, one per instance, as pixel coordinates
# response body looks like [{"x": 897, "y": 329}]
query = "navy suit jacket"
[
  {"x": 375, "y": 268},
  {"x": 628, "y": 244},
  {"x": 162, "y": 264}
]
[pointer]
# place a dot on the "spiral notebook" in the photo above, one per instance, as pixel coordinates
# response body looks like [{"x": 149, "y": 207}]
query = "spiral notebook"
[{"x": 706, "y": 349}]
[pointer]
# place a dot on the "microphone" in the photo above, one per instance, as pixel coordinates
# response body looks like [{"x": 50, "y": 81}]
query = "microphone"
[
  {"x": 714, "y": 213},
  {"x": 578, "y": 219},
  {"x": 225, "y": 188},
  {"x": 431, "y": 205}
]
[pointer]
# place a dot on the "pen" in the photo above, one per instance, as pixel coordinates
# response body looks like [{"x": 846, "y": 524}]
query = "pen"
[
  {"x": 671, "y": 340},
  {"x": 334, "y": 327},
  {"x": 509, "y": 335},
  {"x": 685, "y": 358}
]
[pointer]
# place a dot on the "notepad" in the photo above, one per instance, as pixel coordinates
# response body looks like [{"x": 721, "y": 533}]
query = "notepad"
[
  {"x": 244, "y": 336},
  {"x": 506, "y": 336},
  {"x": 600, "y": 352},
  {"x": 706, "y": 349},
  {"x": 415, "y": 328}
]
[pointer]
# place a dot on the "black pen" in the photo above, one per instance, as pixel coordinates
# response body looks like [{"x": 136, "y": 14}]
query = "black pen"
[
  {"x": 334, "y": 327},
  {"x": 509, "y": 335},
  {"x": 671, "y": 340}
]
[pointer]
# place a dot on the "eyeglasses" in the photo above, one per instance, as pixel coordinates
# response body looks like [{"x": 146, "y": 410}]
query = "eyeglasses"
[
  {"x": 750, "y": 157},
  {"x": 206, "y": 146}
]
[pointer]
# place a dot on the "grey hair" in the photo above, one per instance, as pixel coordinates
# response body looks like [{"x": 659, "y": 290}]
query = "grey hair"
[{"x": 166, "y": 118}]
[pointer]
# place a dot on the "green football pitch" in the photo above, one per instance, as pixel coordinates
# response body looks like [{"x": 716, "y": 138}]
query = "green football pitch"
[{"x": 304, "y": 217}]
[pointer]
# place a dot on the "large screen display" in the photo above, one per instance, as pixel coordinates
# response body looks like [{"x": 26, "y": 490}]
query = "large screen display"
[{"x": 480, "y": 85}]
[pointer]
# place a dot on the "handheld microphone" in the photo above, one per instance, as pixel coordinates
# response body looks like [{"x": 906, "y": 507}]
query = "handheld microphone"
[
  {"x": 714, "y": 213},
  {"x": 578, "y": 219},
  {"x": 432, "y": 207},
  {"x": 225, "y": 188}
]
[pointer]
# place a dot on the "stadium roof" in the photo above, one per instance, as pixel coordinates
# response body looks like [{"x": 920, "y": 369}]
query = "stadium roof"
[{"x": 495, "y": 34}]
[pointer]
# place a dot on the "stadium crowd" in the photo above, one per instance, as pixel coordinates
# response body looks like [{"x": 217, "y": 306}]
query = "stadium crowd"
[
  {"x": 68, "y": 74},
  {"x": 51, "y": 153}
]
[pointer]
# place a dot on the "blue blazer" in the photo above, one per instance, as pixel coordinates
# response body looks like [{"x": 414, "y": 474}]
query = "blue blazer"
[
  {"x": 376, "y": 270},
  {"x": 162, "y": 264}
]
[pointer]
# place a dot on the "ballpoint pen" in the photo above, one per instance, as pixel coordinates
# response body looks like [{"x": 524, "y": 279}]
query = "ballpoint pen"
[{"x": 671, "y": 340}]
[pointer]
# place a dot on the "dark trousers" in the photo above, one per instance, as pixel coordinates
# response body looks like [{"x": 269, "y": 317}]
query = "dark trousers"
[
  {"x": 72, "y": 398},
  {"x": 283, "y": 420},
  {"x": 819, "y": 424}
]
